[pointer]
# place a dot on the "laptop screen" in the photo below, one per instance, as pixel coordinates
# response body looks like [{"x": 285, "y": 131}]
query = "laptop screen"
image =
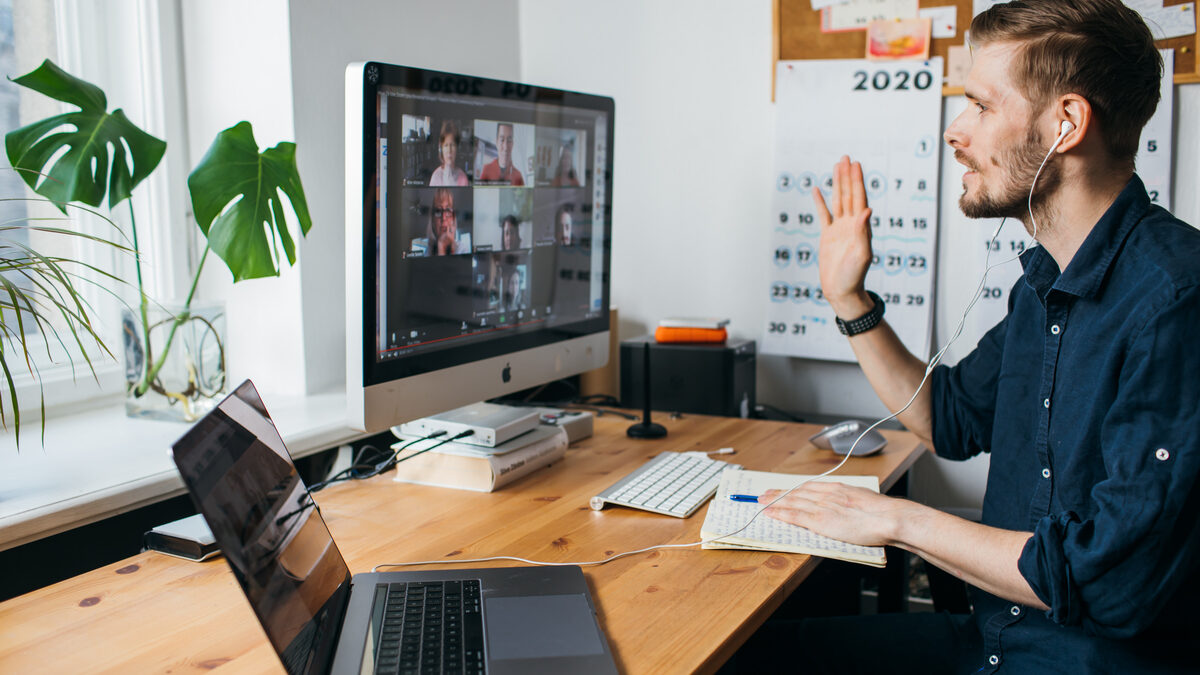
[{"x": 242, "y": 479}]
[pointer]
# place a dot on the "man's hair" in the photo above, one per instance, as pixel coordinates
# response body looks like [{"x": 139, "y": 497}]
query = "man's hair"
[{"x": 1098, "y": 49}]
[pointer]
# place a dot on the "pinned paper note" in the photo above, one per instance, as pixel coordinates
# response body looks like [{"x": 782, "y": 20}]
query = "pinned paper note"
[
  {"x": 958, "y": 64},
  {"x": 898, "y": 39},
  {"x": 1171, "y": 21},
  {"x": 858, "y": 14},
  {"x": 944, "y": 19}
]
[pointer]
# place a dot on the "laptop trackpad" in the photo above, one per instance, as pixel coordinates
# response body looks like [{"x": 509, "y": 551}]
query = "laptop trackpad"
[{"x": 541, "y": 626}]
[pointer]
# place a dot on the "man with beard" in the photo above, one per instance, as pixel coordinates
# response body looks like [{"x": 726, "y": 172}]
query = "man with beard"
[{"x": 1086, "y": 394}]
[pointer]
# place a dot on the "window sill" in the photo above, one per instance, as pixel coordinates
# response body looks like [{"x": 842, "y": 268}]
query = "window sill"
[{"x": 100, "y": 463}]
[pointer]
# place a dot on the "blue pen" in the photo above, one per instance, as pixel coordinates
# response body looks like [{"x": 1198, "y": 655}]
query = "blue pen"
[{"x": 744, "y": 498}]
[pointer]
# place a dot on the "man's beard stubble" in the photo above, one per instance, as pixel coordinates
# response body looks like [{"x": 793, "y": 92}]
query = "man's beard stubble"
[{"x": 1020, "y": 164}]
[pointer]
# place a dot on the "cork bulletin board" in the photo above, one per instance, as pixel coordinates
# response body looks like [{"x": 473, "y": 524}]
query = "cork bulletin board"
[{"x": 797, "y": 35}]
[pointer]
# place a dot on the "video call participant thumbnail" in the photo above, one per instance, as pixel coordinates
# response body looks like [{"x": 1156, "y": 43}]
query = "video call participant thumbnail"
[
  {"x": 561, "y": 157},
  {"x": 559, "y": 281},
  {"x": 503, "y": 286},
  {"x": 447, "y": 173},
  {"x": 561, "y": 217},
  {"x": 439, "y": 296},
  {"x": 411, "y": 149},
  {"x": 438, "y": 221},
  {"x": 503, "y": 218},
  {"x": 507, "y": 148}
]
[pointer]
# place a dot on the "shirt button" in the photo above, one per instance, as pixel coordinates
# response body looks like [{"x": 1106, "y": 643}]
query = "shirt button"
[
  {"x": 1045, "y": 473},
  {"x": 1055, "y": 329},
  {"x": 1046, "y": 403},
  {"x": 993, "y": 659},
  {"x": 1162, "y": 454},
  {"x": 1016, "y": 611}
]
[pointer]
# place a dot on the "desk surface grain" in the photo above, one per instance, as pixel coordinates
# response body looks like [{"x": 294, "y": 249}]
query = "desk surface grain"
[{"x": 665, "y": 611}]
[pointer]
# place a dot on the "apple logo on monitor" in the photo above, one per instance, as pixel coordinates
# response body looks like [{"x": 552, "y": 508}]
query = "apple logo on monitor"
[{"x": 506, "y": 374}]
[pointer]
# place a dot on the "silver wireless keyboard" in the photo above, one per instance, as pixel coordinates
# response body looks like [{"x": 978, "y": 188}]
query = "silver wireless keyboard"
[{"x": 673, "y": 484}]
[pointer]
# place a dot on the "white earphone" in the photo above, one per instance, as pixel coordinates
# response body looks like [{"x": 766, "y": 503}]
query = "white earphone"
[{"x": 1067, "y": 128}]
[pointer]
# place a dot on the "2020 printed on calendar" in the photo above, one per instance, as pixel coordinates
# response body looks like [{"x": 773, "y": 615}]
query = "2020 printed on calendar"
[{"x": 886, "y": 115}]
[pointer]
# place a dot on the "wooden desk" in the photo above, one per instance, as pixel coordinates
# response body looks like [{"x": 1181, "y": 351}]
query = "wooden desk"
[{"x": 666, "y": 611}]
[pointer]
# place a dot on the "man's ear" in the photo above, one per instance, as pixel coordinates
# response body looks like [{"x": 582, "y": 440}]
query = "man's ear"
[{"x": 1076, "y": 110}]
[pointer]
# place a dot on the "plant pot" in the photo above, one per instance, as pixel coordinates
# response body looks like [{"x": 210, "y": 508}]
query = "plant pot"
[{"x": 190, "y": 381}]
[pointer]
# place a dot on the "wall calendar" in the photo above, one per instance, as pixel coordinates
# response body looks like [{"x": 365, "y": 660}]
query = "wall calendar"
[{"x": 886, "y": 115}]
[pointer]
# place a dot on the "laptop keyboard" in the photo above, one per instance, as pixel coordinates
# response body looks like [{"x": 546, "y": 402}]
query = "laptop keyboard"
[{"x": 432, "y": 627}]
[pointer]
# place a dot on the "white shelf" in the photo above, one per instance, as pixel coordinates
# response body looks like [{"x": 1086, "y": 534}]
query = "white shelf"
[{"x": 100, "y": 463}]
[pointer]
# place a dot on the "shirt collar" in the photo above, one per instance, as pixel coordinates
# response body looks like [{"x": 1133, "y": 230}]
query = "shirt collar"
[{"x": 1089, "y": 267}]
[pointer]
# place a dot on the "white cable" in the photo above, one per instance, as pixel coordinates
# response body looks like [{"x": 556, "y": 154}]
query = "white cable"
[
  {"x": 1066, "y": 129},
  {"x": 933, "y": 362}
]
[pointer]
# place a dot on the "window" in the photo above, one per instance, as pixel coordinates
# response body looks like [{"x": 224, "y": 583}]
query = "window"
[{"x": 126, "y": 49}]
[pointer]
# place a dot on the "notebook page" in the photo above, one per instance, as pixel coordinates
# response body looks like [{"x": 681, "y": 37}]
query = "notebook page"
[{"x": 726, "y": 516}]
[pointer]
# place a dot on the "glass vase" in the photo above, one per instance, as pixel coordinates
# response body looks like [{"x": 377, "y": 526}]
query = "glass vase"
[{"x": 179, "y": 373}]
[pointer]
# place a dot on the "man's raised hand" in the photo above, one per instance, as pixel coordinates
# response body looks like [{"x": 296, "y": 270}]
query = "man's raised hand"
[{"x": 845, "y": 254}]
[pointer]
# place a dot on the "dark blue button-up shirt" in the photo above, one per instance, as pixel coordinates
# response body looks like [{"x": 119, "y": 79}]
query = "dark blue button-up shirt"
[{"x": 1087, "y": 396}]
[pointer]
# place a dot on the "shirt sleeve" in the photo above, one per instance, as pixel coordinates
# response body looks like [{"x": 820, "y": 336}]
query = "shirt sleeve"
[
  {"x": 963, "y": 398},
  {"x": 1114, "y": 572}
]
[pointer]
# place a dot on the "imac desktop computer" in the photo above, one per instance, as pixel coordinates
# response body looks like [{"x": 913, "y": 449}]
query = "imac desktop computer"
[{"x": 478, "y": 229}]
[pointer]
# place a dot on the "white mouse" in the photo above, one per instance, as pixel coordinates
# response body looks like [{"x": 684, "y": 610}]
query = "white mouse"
[{"x": 841, "y": 436}]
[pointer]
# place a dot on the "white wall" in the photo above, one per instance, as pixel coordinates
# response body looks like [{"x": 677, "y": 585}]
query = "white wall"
[
  {"x": 472, "y": 36},
  {"x": 280, "y": 64},
  {"x": 691, "y": 197},
  {"x": 236, "y": 67},
  {"x": 692, "y": 149}
]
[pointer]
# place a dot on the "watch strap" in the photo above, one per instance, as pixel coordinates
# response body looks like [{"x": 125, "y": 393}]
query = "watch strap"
[{"x": 865, "y": 322}]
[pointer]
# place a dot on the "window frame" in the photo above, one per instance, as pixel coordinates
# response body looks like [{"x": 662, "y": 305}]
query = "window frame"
[{"x": 131, "y": 50}]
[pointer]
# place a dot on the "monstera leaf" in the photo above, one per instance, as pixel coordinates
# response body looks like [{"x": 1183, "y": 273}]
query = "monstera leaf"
[
  {"x": 86, "y": 170},
  {"x": 244, "y": 233}
]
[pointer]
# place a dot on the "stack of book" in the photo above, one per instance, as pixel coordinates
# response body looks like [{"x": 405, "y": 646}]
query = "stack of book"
[{"x": 478, "y": 468}]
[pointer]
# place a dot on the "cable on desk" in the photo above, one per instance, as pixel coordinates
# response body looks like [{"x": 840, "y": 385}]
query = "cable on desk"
[
  {"x": 925, "y": 378},
  {"x": 358, "y": 470}
]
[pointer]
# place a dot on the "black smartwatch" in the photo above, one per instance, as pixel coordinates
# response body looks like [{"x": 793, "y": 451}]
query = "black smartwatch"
[{"x": 865, "y": 322}]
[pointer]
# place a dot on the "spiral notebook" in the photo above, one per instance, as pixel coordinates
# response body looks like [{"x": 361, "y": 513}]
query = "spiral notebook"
[{"x": 767, "y": 534}]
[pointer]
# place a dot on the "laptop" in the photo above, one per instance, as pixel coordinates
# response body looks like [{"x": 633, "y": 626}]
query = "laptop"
[{"x": 320, "y": 619}]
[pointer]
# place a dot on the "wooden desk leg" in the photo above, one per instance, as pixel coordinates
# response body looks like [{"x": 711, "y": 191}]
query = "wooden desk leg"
[{"x": 893, "y": 581}]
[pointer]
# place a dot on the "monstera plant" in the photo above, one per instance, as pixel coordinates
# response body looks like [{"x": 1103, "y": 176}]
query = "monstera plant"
[{"x": 89, "y": 154}]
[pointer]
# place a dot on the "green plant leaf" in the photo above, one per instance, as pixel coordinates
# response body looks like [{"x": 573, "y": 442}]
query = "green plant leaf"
[
  {"x": 39, "y": 293},
  {"x": 86, "y": 171},
  {"x": 235, "y": 197}
]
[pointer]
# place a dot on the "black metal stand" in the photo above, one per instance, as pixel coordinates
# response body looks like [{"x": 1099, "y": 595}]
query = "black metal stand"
[{"x": 646, "y": 428}]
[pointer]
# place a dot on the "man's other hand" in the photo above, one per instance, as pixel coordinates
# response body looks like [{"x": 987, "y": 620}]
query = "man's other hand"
[{"x": 851, "y": 514}]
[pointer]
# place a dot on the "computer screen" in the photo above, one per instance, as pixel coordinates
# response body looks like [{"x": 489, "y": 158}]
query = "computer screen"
[{"x": 478, "y": 245}]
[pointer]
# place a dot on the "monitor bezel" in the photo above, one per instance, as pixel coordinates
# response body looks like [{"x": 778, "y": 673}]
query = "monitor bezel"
[
  {"x": 384, "y": 393},
  {"x": 374, "y": 75}
]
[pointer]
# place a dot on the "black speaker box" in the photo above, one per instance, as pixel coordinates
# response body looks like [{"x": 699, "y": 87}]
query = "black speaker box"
[{"x": 706, "y": 379}]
